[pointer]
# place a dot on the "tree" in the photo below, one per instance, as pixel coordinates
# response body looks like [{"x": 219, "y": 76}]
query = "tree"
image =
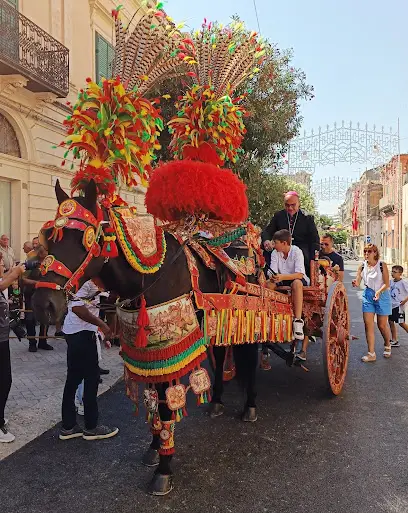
[
  {"x": 340, "y": 237},
  {"x": 324, "y": 221},
  {"x": 265, "y": 193}
]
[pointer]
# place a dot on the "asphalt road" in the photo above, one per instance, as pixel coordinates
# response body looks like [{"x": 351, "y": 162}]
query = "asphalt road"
[{"x": 306, "y": 453}]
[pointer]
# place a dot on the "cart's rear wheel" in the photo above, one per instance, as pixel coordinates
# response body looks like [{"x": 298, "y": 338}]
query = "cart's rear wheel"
[{"x": 336, "y": 332}]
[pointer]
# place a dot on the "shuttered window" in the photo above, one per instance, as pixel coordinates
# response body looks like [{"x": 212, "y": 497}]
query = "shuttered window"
[
  {"x": 9, "y": 32},
  {"x": 104, "y": 54}
]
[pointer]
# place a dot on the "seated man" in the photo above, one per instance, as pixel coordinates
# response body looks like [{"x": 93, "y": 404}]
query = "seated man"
[
  {"x": 326, "y": 250},
  {"x": 288, "y": 268}
]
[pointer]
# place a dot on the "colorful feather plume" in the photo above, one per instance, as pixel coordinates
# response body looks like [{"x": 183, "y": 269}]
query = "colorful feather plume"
[
  {"x": 114, "y": 135},
  {"x": 150, "y": 49},
  {"x": 113, "y": 130},
  {"x": 209, "y": 123}
]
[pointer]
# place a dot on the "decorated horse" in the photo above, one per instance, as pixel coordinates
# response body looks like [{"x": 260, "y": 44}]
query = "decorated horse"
[{"x": 166, "y": 273}]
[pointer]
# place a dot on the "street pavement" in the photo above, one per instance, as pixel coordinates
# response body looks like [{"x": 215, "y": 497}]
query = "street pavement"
[
  {"x": 306, "y": 453},
  {"x": 34, "y": 403}
]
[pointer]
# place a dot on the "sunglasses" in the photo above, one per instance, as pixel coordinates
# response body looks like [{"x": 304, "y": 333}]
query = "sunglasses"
[
  {"x": 368, "y": 251},
  {"x": 324, "y": 244},
  {"x": 288, "y": 205}
]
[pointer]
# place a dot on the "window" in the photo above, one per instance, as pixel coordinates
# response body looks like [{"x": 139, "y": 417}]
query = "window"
[
  {"x": 104, "y": 54},
  {"x": 8, "y": 138},
  {"x": 5, "y": 207}
]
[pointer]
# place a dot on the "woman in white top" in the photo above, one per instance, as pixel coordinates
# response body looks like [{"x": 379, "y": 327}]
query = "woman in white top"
[{"x": 376, "y": 300}]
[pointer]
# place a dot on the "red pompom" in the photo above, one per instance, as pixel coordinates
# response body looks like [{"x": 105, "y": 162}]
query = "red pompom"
[{"x": 185, "y": 187}]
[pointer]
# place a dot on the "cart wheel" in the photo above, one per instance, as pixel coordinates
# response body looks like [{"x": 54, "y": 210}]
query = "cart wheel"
[{"x": 336, "y": 332}]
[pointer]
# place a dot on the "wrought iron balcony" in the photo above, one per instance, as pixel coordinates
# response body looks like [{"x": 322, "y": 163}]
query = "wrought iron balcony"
[{"x": 28, "y": 50}]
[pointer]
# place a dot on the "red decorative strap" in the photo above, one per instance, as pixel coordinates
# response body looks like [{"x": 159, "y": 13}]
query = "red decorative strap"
[
  {"x": 73, "y": 282},
  {"x": 47, "y": 285},
  {"x": 50, "y": 264}
]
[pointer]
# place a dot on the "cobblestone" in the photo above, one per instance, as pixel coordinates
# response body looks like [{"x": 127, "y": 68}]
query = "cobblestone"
[{"x": 34, "y": 403}]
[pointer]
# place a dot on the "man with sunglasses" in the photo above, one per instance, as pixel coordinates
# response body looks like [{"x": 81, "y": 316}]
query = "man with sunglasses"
[
  {"x": 326, "y": 250},
  {"x": 301, "y": 226}
]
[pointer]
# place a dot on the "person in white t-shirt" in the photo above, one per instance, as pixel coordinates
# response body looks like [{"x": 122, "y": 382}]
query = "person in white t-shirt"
[
  {"x": 288, "y": 269},
  {"x": 399, "y": 297},
  {"x": 80, "y": 327}
]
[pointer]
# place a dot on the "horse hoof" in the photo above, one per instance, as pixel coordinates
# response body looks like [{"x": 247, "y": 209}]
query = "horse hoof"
[
  {"x": 161, "y": 484},
  {"x": 151, "y": 458},
  {"x": 249, "y": 415},
  {"x": 216, "y": 410}
]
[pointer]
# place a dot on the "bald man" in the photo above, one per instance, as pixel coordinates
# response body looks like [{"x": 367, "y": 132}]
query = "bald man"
[{"x": 300, "y": 224}]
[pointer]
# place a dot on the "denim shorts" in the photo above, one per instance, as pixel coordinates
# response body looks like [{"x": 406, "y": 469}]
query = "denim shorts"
[{"x": 380, "y": 307}]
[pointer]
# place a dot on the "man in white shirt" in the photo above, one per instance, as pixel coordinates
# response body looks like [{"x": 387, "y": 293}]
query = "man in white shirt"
[
  {"x": 80, "y": 327},
  {"x": 288, "y": 268},
  {"x": 9, "y": 258}
]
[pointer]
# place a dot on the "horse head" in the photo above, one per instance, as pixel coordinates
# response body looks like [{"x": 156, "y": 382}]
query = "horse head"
[{"x": 73, "y": 241}]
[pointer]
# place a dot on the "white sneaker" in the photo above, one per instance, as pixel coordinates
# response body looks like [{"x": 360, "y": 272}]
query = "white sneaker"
[
  {"x": 298, "y": 325},
  {"x": 80, "y": 409},
  {"x": 5, "y": 436}
]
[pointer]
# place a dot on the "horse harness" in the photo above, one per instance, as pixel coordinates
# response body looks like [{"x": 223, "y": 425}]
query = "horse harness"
[{"x": 71, "y": 215}]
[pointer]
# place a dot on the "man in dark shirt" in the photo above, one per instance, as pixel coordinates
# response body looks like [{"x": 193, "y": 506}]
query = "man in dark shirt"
[
  {"x": 326, "y": 250},
  {"x": 29, "y": 280},
  {"x": 300, "y": 224}
]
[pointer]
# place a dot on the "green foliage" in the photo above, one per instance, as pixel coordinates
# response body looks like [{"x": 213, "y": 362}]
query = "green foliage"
[
  {"x": 340, "y": 237},
  {"x": 265, "y": 195},
  {"x": 324, "y": 221}
]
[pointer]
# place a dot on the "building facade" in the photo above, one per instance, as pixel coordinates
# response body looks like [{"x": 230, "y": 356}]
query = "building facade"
[
  {"x": 360, "y": 214},
  {"x": 391, "y": 207},
  {"x": 47, "y": 50}
]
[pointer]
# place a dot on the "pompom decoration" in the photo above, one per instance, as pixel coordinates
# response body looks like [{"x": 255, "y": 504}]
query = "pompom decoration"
[
  {"x": 188, "y": 188},
  {"x": 207, "y": 128}
]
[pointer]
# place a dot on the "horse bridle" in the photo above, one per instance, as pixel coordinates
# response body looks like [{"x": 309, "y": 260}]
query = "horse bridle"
[{"x": 71, "y": 215}]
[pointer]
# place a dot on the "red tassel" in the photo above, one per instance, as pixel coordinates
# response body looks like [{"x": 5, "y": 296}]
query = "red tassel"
[
  {"x": 142, "y": 323},
  {"x": 110, "y": 249}
]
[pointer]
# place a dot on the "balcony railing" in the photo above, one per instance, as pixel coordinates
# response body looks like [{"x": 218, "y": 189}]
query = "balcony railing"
[{"x": 28, "y": 50}]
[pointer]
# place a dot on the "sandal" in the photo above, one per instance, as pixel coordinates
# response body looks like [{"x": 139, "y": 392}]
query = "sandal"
[
  {"x": 369, "y": 357},
  {"x": 387, "y": 352}
]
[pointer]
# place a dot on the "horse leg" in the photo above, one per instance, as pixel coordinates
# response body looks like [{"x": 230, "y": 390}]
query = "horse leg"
[
  {"x": 162, "y": 481},
  {"x": 217, "y": 406},
  {"x": 246, "y": 361},
  {"x": 151, "y": 457}
]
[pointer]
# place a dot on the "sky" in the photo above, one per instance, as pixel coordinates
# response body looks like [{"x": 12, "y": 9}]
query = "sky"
[{"x": 354, "y": 53}]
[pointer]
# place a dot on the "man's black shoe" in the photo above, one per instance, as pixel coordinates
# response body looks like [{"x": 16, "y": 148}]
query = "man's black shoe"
[
  {"x": 45, "y": 346},
  {"x": 103, "y": 371},
  {"x": 32, "y": 348}
]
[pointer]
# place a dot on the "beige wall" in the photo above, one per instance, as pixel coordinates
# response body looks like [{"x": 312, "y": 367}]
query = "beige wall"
[{"x": 37, "y": 118}]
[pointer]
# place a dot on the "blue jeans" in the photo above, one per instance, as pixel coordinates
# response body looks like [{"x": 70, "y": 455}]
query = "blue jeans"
[{"x": 380, "y": 307}]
